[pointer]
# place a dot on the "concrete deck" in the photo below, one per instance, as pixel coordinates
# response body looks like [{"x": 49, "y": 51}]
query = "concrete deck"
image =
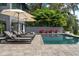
[{"x": 37, "y": 48}]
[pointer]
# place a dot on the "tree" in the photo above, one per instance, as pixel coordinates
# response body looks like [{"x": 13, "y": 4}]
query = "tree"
[
  {"x": 53, "y": 17},
  {"x": 30, "y": 7},
  {"x": 73, "y": 7},
  {"x": 56, "y": 6}
]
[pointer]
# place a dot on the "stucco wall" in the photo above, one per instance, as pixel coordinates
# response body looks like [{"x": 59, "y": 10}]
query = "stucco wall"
[{"x": 37, "y": 29}]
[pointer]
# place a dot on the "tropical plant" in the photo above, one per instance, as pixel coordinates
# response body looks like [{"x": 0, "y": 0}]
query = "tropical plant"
[
  {"x": 1, "y": 26},
  {"x": 53, "y": 17},
  {"x": 57, "y": 14}
]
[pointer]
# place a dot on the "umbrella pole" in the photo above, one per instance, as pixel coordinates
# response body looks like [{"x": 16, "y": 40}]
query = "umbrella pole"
[{"x": 18, "y": 24}]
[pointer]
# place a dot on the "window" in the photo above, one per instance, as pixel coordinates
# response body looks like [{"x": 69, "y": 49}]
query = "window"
[{"x": 3, "y": 4}]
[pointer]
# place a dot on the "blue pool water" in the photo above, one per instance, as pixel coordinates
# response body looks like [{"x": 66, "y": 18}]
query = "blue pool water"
[{"x": 59, "y": 39}]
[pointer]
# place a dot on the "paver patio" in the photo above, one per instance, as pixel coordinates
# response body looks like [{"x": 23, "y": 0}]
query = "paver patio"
[{"x": 37, "y": 48}]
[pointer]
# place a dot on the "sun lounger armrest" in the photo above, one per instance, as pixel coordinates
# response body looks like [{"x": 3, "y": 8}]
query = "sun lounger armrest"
[{"x": 13, "y": 37}]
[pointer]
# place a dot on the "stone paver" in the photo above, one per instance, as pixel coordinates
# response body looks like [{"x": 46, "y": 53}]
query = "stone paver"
[{"x": 37, "y": 48}]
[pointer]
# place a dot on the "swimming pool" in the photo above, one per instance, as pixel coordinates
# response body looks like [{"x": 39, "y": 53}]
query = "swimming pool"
[{"x": 59, "y": 39}]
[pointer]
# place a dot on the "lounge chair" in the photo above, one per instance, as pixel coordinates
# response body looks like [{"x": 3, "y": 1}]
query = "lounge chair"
[
  {"x": 17, "y": 33},
  {"x": 2, "y": 38},
  {"x": 13, "y": 37},
  {"x": 30, "y": 34}
]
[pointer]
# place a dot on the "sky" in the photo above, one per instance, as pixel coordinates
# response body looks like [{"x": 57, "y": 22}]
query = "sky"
[{"x": 77, "y": 13}]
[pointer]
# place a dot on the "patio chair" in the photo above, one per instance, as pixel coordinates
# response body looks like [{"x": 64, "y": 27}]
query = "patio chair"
[{"x": 13, "y": 37}]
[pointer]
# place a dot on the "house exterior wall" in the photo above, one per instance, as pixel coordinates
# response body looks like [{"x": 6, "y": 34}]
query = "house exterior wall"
[
  {"x": 4, "y": 17},
  {"x": 8, "y": 19}
]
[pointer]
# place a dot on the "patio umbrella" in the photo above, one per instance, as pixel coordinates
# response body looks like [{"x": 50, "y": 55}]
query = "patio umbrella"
[
  {"x": 16, "y": 13},
  {"x": 24, "y": 20},
  {"x": 19, "y": 14}
]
